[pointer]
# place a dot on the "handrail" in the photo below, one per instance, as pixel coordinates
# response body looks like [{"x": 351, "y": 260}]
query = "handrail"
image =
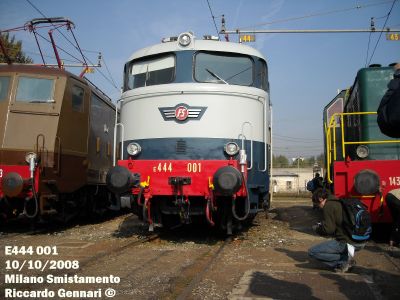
[
  {"x": 251, "y": 142},
  {"x": 116, "y": 124},
  {"x": 265, "y": 136},
  {"x": 331, "y": 144},
  {"x": 57, "y": 171},
  {"x": 328, "y": 154},
  {"x": 40, "y": 151},
  {"x": 122, "y": 134}
]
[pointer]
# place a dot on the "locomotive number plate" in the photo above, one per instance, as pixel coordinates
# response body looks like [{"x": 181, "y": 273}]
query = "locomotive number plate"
[
  {"x": 193, "y": 167},
  {"x": 166, "y": 167},
  {"x": 163, "y": 167},
  {"x": 394, "y": 180}
]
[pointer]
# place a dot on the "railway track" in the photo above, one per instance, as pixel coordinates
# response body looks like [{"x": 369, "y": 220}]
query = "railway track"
[
  {"x": 198, "y": 270},
  {"x": 116, "y": 251}
]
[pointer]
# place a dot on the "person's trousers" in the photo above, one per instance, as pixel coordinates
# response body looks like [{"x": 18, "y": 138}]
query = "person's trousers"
[
  {"x": 394, "y": 206},
  {"x": 331, "y": 252}
]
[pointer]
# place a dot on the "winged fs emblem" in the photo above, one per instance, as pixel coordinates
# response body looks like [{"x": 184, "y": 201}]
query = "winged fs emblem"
[{"x": 182, "y": 113}]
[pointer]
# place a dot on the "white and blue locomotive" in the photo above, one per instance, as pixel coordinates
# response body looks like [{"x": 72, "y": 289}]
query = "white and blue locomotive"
[{"x": 195, "y": 126}]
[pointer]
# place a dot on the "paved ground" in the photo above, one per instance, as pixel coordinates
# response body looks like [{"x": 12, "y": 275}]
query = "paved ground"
[
  {"x": 267, "y": 260},
  {"x": 292, "y": 275}
]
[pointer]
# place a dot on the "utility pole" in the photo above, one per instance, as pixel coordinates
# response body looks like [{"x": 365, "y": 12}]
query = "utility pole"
[
  {"x": 298, "y": 171},
  {"x": 239, "y": 31},
  {"x": 253, "y": 32}
]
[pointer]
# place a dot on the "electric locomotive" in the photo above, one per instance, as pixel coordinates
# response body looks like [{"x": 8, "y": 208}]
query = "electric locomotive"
[
  {"x": 361, "y": 162},
  {"x": 56, "y": 132},
  {"x": 196, "y": 129}
]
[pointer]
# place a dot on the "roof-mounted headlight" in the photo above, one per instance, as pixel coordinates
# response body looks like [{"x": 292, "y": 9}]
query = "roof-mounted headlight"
[
  {"x": 231, "y": 148},
  {"x": 362, "y": 151},
  {"x": 185, "y": 39},
  {"x": 133, "y": 149},
  {"x": 30, "y": 156}
]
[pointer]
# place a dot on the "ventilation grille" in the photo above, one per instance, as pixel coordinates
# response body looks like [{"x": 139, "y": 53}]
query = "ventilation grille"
[{"x": 181, "y": 147}]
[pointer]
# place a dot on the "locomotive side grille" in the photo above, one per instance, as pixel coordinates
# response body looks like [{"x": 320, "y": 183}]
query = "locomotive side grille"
[{"x": 181, "y": 147}]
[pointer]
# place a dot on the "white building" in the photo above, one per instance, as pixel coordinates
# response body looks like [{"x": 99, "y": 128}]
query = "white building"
[{"x": 291, "y": 180}]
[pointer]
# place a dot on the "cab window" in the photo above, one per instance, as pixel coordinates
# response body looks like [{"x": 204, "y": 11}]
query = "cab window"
[
  {"x": 4, "y": 83},
  {"x": 151, "y": 71},
  {"x": 224, "y": 68},
  {"x": 261, "y": 75},
  {"x": 35, "y": 90},
  {"x": 77, "y": 98}
]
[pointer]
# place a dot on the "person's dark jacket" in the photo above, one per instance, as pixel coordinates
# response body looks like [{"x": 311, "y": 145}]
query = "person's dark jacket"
[
  {"x": 389, "y": 108},
  {"x": 332, "y": 223},
  {"x": 317, "y": 183}
]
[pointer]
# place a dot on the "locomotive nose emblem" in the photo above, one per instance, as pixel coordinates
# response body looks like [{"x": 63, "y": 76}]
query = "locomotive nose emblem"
[{"x": 182, "y": 113}]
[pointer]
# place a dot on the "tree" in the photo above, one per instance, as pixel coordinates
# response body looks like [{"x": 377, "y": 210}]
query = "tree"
[
  {"x": 13, "y": 49},
  {"x": 321, "y": 159},
  {"x": 280, "y": 161},
  {"x": 309, "y": 162}
]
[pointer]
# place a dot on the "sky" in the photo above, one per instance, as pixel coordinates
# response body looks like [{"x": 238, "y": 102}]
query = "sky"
[{"x": 305, "y": 70}]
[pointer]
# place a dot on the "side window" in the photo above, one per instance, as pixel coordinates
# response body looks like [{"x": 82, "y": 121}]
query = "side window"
[
  {"x": 288, "y": 185},
  {"x": 261, "y": 75},
  {"x": 4, "y": 83},
  {"x": 77, "y": 98},
  {"x": 35, "y": 90}
]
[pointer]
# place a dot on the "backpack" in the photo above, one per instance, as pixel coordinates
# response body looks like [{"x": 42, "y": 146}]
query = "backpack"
[
  {"x": 310, "y": 185},
  {"x": 357, "y": 219}
]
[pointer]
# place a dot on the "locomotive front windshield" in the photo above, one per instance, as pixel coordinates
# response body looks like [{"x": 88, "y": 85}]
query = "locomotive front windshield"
[
  {"x": 197, "y": 66},
  {"x": 35, "y": 90},
  {"x": 223, "y": 68},
  {"x": 152, "y": 71}
]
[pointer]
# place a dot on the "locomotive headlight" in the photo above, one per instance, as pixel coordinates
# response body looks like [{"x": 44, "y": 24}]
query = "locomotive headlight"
[
  {"x": 184, "y": 39},
  {"x": 30, "y": 156},
  {"x": 362, "y": 151},
  {"x": 133, "y": 149},
  {"x": 231, "y": 148}
]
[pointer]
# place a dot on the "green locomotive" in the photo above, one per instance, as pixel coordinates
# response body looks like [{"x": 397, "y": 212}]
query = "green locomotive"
[{"x": 361, "y": 162}]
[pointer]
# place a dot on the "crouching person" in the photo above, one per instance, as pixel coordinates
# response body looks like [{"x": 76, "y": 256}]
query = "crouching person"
[{"x": 337, "y": 253}]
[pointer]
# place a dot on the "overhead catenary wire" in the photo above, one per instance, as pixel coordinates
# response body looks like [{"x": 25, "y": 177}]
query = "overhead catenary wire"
[
  {"x": 213, "y": 18},
  {"x": 58, "y": 47},
  {"x": 61, "y": 49},
  {"x": 380, "y": 35},
  {"x": 108, "y": 70},
  {"x": 369, "y": 42},
  {"x": 43, "y": 15},
  {"x": 112, "y": 82},
  {"x": 316, "y": 14},
  {"x": 48, "y": 56}
]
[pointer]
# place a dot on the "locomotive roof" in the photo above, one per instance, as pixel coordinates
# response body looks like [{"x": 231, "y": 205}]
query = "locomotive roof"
[
  {"x": 207, "y": 45},
  {"x": 41, "y": 70},
  {"x": 37, "y": 69}
]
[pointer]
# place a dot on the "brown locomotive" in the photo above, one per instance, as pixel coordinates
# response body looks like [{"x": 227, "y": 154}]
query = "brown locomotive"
[{"x": 56, "y": 135}]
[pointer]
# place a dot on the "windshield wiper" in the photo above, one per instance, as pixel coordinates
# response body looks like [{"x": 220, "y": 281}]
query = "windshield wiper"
[{"x": 216, "y": 76}]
